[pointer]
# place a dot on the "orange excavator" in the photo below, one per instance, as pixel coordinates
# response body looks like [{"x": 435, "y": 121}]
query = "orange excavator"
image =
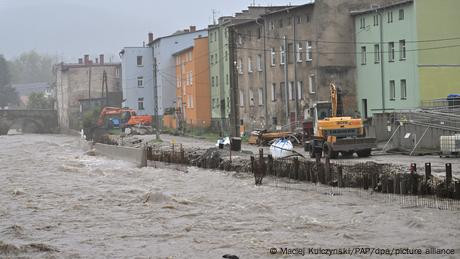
[{"x": 127, "y": 118}]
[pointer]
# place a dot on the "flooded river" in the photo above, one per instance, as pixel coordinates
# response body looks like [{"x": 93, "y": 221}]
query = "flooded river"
[{"x": 57, "y": 202}]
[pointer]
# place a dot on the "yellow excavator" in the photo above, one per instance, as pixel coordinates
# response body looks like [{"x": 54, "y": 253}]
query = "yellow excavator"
[{"x": 337, "y": 134}]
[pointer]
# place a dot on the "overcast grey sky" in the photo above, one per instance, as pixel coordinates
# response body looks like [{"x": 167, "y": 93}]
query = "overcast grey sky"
[{"x": 71, "y": 28}]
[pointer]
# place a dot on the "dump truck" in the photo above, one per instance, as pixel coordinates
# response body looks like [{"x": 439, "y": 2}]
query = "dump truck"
[{"x": 337, "y": 134}]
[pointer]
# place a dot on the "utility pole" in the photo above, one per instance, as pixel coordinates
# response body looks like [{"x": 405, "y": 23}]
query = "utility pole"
[
  {"x": 286, "y": 83},
  {"x": 382, "y": 76},
  {"x": 234, "y": 116},
  {"x": 89, "y": 85},
  {"x": 155, "y": 98},
  {"x": 296, "y": 88},
  {"x": 105, "y": 88}
]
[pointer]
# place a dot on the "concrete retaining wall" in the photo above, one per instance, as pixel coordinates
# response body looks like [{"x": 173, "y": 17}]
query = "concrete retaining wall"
[{"x": 130, "y": 154}]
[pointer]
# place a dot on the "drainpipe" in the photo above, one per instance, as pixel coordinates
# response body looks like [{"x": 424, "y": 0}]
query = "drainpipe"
[{"x": 382, "y": 74}]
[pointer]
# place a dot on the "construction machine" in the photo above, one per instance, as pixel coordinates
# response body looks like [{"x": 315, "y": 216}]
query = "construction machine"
[
  {"x": 128, "y": 118},
  {"x": 337, "y": 134}
]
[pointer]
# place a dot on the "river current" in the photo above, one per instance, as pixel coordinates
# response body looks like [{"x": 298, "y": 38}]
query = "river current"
[{"x": 58, "y": 202}]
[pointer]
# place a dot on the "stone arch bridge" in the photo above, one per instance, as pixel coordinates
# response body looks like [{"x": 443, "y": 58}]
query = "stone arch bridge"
[{"x": 36, "y": 121}]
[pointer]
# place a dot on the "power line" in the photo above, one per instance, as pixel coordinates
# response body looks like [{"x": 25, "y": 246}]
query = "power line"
[
  {"x": 348, "y": 42},
  {"x": 344, "y": 53}
]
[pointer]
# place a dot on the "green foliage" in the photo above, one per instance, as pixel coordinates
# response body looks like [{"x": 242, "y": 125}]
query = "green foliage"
[
  {"x": 31, "y": 67},
  {"x": 39, "y": 101},
  {"x": 90, "y": 118},
  {"x": 8, "y": 94}
]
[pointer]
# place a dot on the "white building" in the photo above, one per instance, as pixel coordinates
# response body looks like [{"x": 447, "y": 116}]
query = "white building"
[{"x": 137, "y": 64}]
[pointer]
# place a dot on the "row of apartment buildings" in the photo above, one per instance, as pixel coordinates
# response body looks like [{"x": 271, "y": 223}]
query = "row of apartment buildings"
[{"x": 268, "y": 65}]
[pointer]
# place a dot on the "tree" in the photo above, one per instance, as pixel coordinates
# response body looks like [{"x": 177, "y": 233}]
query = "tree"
[
  {"x": 8, "y": 94},
  {"x": 31, "y": 67},
  {"x": 39, "y": 101}
]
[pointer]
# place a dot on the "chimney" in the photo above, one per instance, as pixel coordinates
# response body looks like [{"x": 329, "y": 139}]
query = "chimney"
[
  {"x": 86, "y": 57},
  {"x": 150, "y": 37},
  {"x": 80, "y": 61},
  {"x": 192, "y": 28},
  {"x": 101, "y": 59}
]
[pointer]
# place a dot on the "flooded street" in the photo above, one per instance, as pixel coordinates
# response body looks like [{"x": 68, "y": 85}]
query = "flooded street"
[{"x": 55, "y": 201}]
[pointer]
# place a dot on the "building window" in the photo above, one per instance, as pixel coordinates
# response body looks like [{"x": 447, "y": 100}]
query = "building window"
[
  {"x": 273, "y": 92},
  {"x": 190, "y": 101},
  {"x": 251, "y": 97},
  {"x": 226, "y": 55},
  {"x": 240, "y": 39},
  {"x": 402, "y": 49},
  {"x": 291, "y": 91},
  {"x": 299, "y": 52},
  {"x": 249, "y": 65},
  {"x": 390, "y": 16},
  {"x": 117, "y": 72},
  {"x": 312, "y": 83},
  {"x": 259, "y": 62},
  {"x": 391, "y": 51},
  {"x": 240, "y": 66},
  {"x": 376, "y": 20},
  {"x": 363, "y": 55},
  {"x": 362, "y": 22},
  {"x": 226, "y": 79},
  {"x": 241, "y": 98},
  {"x": 139, "y": 61},
  {"x": 309, "y": 51},
  {"x": 140, "y": 81},
  {"x": 212, "y": 59},
  {"x": 271, "y": 25},
  {"x": 140, "y": 104},
  {"x": 307, "y": 18},
  {"x": 299, "y": 90},
  {"x": 403, "y": 89},
  {"x": 282, "y": 55},
  {"x": 216, "y": 58},
  {"x": 212, "y": 81},
  {"x": 273, "y": 56},
  {"x": 290, "y": 53},
  {"x": 376, "y": 53},
  {"x": 261, "y": 96},
  {"x": 299, "y": 19},
  {"x": 259, "y": 32},
  {"x": 401, "y": 14},
  {"x": 178, "y": 82},
  {"x": 191, "y": 77},
  {"x": 392, "y": 90},
  {"x": 217, "y": 81}
]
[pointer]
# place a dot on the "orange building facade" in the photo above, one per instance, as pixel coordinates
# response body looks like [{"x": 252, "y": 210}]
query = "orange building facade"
[{"x": 193, "y": 92}]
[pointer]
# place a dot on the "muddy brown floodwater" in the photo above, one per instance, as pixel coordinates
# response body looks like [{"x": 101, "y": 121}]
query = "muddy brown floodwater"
[{"x": 57, "y": 202}]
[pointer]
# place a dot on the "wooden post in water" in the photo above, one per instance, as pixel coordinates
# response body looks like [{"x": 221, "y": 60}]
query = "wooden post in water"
[
  {"x": 340, "y": 176},
  {"x": 397, "y": 184},
  {"x": 270, "y": 164},
  {"x": 365, "y": 181},
  {"x": 448, "y": 174},
  {"x": 296, "y": 168}
]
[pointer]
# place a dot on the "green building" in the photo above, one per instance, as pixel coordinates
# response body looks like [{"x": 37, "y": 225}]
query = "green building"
[
  {"x": 402, "y": 56},
  {"x": 219, "y": 73}
]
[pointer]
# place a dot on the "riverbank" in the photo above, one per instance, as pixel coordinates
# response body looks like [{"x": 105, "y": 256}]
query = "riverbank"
[
  {"x": 59, "y": 202},
  {"x": 368, "y": 175}
]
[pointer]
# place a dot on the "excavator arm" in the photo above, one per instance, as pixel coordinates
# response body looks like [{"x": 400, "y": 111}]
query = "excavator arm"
[{"x": 333, "y": 92}]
